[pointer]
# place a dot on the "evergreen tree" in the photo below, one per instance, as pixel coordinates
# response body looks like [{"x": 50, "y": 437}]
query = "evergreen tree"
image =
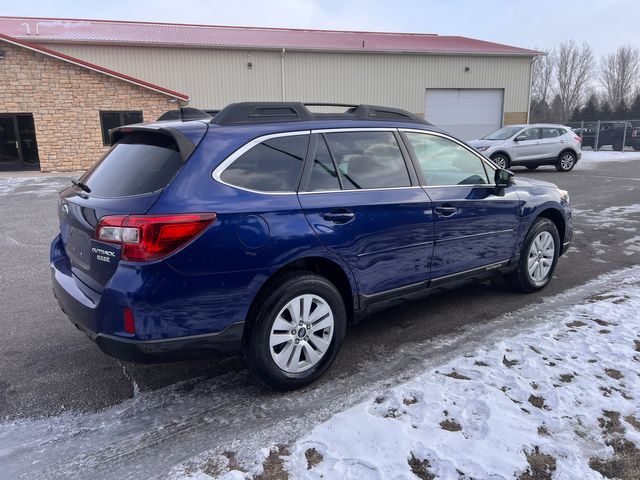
[
  {"x": 590, "y": 110},
  {"x": 621, "y": 112},
  {"x": 556, "y": 112},
  {"x": 605, "y": 112}
]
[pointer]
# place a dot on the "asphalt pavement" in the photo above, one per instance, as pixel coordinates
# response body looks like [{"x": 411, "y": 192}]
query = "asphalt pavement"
[{"x": 47, "y": 366}]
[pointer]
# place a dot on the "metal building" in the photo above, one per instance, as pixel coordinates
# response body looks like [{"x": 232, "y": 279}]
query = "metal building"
[{"x": 467, "y": 86}]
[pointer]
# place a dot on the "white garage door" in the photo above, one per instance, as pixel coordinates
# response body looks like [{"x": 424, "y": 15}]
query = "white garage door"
[{"x": 466, "y": 113}]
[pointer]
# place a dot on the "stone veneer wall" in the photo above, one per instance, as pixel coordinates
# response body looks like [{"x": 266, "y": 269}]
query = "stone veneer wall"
[{"x": 65, "y": 101}]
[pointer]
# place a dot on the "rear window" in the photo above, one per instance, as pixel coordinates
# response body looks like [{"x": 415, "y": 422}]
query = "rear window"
[{"x": 139, "y": 163}]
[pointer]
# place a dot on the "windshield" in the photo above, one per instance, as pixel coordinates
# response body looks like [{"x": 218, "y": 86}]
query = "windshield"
[{"x": 503, "y": 133}]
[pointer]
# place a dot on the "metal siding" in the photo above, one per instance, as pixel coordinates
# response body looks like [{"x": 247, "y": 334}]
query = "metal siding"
[{"x": 215, "y": 77}]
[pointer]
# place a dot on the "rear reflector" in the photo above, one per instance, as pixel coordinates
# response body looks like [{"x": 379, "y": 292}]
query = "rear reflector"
[
  {"x": 129, "y": 323},
  {"x": 151, "y": 237}
]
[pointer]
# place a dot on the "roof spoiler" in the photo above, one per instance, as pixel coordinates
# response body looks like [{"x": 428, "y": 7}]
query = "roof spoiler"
[{"x": 186, "y": 146}]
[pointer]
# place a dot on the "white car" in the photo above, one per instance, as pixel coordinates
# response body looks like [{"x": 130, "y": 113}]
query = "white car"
[{"x": 532, "y": 146}]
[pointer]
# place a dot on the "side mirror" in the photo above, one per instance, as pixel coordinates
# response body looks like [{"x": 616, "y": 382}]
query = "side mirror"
[
  {"x": 519, "y": 138},
  {"x": 502, "y": 179}
]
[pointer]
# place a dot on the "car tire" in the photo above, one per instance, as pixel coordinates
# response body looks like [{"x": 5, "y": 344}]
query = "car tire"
[
  {"x": 501, "y": 160},
  {"x": 538, "y": 258},
  {"x": 283, "y": 347},
  {"x": 532, "y": 167},
  {"x": 566, "y": 162}
]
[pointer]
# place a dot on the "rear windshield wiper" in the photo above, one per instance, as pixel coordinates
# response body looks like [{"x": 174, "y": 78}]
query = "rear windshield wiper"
[{"x": 81, "y": 185}]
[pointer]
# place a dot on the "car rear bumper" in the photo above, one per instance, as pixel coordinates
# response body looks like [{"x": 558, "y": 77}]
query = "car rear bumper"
[{"x": 87, "y": 313}]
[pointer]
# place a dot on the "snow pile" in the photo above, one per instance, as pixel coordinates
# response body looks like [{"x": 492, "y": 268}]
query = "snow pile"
[
  {"x": 592, "y": 159},
  {"x": 558, "y": 399}
]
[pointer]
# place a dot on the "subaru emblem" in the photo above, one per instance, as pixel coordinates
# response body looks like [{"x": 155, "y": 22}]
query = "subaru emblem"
[{"x": 65, "y": 209}]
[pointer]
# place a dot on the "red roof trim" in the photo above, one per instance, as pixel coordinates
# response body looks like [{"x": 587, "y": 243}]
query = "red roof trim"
[
  {"x": 94, "y": 67},
  {"x": 141, "y": 33}
]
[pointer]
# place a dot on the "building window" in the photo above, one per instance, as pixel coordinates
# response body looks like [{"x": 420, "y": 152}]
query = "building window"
[{"x": 109, "y": 120}]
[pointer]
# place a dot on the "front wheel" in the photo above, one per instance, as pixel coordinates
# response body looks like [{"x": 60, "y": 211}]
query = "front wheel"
[
  {"x": 296, "y": 331},
  {"x": 538, "y": 257},
  {"x": 501, "y": 160},
  {"x": 566, "y": 162}
]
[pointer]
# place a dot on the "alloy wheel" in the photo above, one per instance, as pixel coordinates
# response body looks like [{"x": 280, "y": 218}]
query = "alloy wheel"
[
  {"x": 541, "y": 254},
  {"x": 301, "y": 333},
  {"x": 566, "y": 161}
]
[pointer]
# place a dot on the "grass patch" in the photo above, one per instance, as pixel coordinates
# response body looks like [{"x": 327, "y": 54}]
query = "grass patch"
[
  {"x": 479, "y": 363},
  {"x": 508, "y": 363},
  {"x": 624, "y": 464},
  {"x": 566, "y": 377},
  {"x": 313, "y": 456},
  {"x": 420, "y": 468},
  {"x": 537, "y": 402},
  {"x": 410, "y": 400},
  {"x": 450, "y": 425},
  {"x": 273, "y": 465},
  {"x": 613, "y": 373},
  {"x": 456, "y": 375},
  {"x": 541, "y": 466}
]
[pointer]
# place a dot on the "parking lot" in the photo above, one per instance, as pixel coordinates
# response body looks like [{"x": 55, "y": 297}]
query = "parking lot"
[{"x": 48, "y": 368}]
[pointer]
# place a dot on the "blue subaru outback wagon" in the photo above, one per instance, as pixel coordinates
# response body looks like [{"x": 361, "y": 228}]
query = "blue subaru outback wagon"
[{"x": 263, "y": 230}]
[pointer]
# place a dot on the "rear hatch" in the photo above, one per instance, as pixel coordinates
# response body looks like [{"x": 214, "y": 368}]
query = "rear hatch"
[{"x": 128, "y": 180}]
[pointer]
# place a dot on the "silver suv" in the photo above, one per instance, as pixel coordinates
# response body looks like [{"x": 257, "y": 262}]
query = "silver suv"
[{"x": 532, "y": 146}]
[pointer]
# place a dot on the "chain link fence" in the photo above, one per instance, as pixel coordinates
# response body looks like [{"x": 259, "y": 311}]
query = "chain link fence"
[{"x": 618, "y": 135}]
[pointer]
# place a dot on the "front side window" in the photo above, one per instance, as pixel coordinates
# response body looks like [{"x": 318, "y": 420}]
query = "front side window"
[
  {"x": 368, "y": 160},
  {"x": 109, "y": 120},
  {"x": 271, "y": 166},
  {"x": 503, "y": 133},
  {"x": 444, "y": 162},
  {"x": 530, "y": 134}
]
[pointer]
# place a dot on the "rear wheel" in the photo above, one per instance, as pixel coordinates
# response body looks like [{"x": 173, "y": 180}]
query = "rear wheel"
[
  {"x": 566, "y": 161},
  {"x": 501, "y": 160},
  {"x": 296, "y": 331},
  {"x": 538, "y": 257}
]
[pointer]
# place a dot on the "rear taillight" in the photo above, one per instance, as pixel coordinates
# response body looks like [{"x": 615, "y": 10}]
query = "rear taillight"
[
  {"x": 150, "y": 237},
  {"x": 578, "y": 139}
]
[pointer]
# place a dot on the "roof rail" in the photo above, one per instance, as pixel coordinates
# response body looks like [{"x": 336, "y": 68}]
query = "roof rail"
[
  {"x": 267, "y": 112},
  {"x": 185, "y": 114}
]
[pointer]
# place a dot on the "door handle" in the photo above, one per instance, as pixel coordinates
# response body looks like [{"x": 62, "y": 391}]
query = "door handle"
[
  {"x": 446, "y": 211},
  {"x": 339, "y": 216}
]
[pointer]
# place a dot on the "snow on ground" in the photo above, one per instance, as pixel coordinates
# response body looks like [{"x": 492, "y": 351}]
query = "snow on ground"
[
  {"x": 592, "y": 160},
  {"x": 561, "y": 398}
]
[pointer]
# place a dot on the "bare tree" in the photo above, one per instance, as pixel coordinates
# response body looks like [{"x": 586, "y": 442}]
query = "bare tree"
[
  {"x": 574, "y": 67},
  {"x": 620, "y": 74},
  {"x": 542, "y": 71}
]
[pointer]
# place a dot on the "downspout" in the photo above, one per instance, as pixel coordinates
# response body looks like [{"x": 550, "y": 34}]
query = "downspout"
[{"x": 282, "y": 72}]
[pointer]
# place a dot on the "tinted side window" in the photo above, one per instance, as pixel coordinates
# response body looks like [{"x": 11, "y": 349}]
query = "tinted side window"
[
  {"x": 323, "y": 173},
  {"x": 531, "y": 134},
  {"x": 271, "y": 166},
  {"x": 368, "y": 160},
  {"x": 139, "y": 163},
  {"x": 444, "y": 162},
  {"x": 551, "y": 132}
]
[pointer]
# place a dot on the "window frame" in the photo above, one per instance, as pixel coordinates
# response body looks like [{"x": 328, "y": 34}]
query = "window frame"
[
  {"x": 319, "y": 133},
  {"x": 106, "y": 141},
  {"x": 217, "y": 172},
  {"x": 490, "y": 169}
]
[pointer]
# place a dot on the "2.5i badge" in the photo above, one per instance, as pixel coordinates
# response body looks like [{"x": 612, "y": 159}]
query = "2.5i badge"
[
  {"x": 103, "y": 255},
  {"x": 104, "y": 260}
]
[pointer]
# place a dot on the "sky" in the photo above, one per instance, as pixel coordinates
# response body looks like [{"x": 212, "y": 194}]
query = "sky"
[{"x": 604, "y": 24}]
